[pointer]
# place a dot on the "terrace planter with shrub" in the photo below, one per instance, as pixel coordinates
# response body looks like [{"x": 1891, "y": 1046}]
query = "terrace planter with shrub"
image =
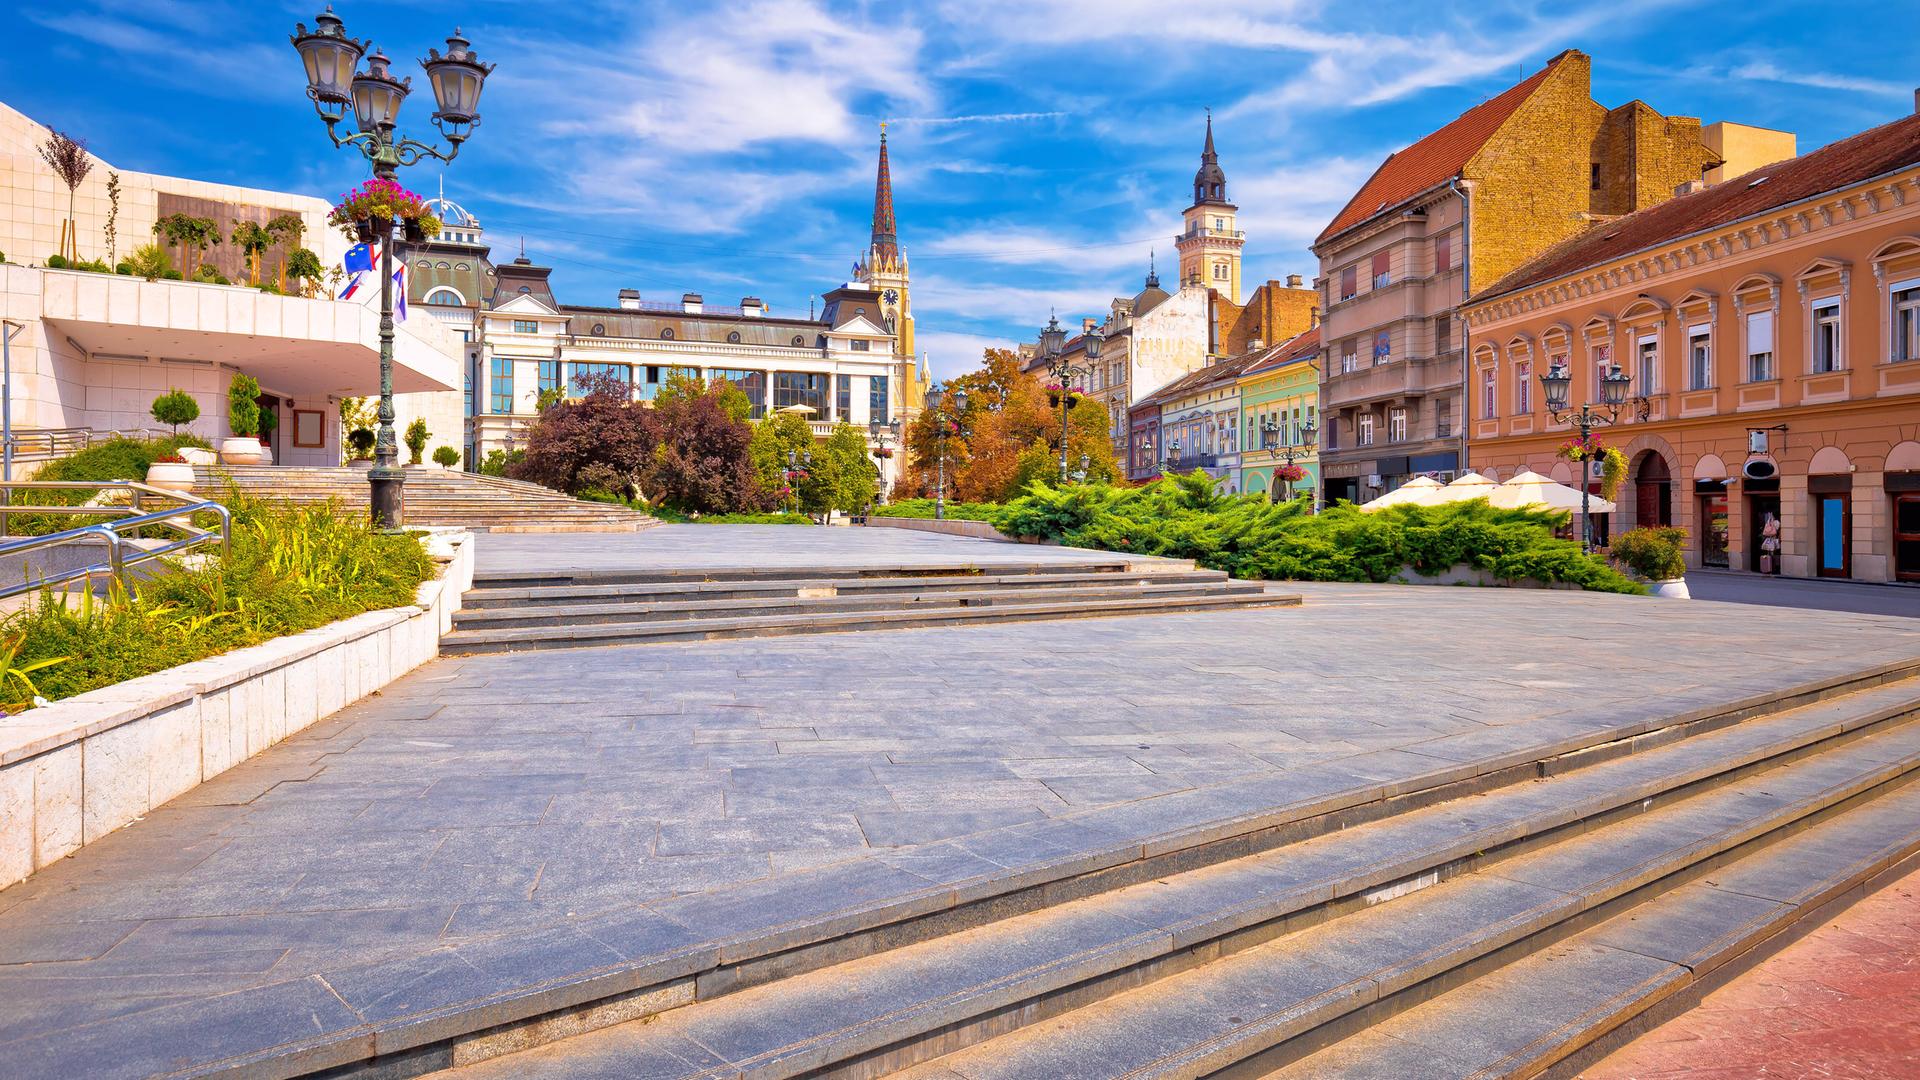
[
  {"x": 1655, "y": 556},
  {"x": 172, "y": 473}
]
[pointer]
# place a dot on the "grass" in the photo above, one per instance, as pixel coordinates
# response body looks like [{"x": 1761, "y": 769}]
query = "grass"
[
  {"x": 667, "y": 513},
  {"x": 115, "y": 459},
  {"x": 292, "y": 568},
  {"x": 923, "y": 508}
]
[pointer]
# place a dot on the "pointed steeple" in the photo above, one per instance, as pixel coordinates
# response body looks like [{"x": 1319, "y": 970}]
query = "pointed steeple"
[
  {"x": 886, "y": 244},
  {"x": 1153, "y": 273},
  {"x": 1210, "y": 183}
]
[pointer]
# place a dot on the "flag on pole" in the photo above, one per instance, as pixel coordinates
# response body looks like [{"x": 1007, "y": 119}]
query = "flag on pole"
[
  {"x": 400, "y": 292},
  {"x": 359, "y": 258},
  {"x": 353, "y": 285}
]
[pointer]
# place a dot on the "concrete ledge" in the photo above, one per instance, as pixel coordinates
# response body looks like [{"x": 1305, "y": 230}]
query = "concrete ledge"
[
  {"x": 978, "y": 530},
  {"x": 78, "y": 769}
]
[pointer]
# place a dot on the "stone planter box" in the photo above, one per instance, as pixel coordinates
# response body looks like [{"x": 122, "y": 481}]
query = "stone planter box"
[
  {"x": 242, "y": 450},
  {"x": 78, "y": 769},
  {"x": 171, "y": 476}
]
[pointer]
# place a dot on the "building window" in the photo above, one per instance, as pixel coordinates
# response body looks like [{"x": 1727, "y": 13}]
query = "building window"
[
  {"x": 1699, "y": 357},
  {"x": 1396, "y": 425},
  {"x": 583, "y": 372},
  {"x": 1382, "y": 269},
  {"x": 1442, "y": 418},
  {"x": 1523, "y": 388},
  {"x": 525, "y": 326},
  {"x": 1442, "y": 335},
  {"x": 1349, "y": 282},
  {"x": 666, "y": 334},
  {"x": 1365, "y": 429},
  {"x": 1219, "y": 271},
  {"x": 549, "y": 375},
  {"x": 1443, "y": 253},
  {"x": 1648, "y": 375},
  {"x": 500, "y": 396},
  {"x": 1220, "y": 224},
  {"x": 859, "y": 345},
  {"x": 1593, "y": 177},
  {"x": 1382, "y": 347},
  {"x": 843, "y": 398},
  {"x": 1906, "y": 320},
  {"x": 799, "y": 341},
  {"x": 1349, "y": 359},
  {"x": 1826, "y": 335},
  {"x": 751, "y": 383},
  {"x": 1489, "y": 394},
  {"x": 1602, "y": 367},
  {"x": 1333, "y": 435},
  {"x": 877, "y": 406},
  {"x": 599, "y": 329},
  {"x": 800, "y": 388},
  {"x": 1760, "y": 346},
  {"x": 733, "y": 337}
]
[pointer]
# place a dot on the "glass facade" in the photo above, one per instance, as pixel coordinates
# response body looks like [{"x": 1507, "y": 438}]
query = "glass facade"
[
  {"x": 800, "y": 388},
  {"x": 549, "y": 375},
  {"x": 751, "y": 383},
  {"x": 500, "y": 396},
  {"x": 877, "y": 399},
  {"x": 843, "y": 398},
  {"x": 581, "y": 372}
]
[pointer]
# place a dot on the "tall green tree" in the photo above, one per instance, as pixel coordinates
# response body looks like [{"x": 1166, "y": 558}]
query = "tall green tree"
[
  {"x": 193, "y": 235},
  {"x": 773, "y": 438},
  {"x": 286, "y": 231},
  {"x": 252, "y": 238},
  {"x": 68, "y": 158},
  {"x": 842, "y": 476}
]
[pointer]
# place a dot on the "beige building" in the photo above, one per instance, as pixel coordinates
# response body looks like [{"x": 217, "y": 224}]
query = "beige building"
[{"x": 1467, "y": 204}]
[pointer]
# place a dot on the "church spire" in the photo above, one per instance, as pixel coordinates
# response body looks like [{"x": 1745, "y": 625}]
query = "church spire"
[
  {"x": 1210, "y": 183},
  {"x": 1153, "y": 271},
  {"x": 886, "y": 244}
]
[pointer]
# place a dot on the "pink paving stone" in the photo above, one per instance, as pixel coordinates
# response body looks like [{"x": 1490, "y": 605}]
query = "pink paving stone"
[{"x": 1843, "y": 1003}]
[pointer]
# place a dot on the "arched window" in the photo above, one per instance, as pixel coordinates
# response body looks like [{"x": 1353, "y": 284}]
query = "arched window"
[
  {"x": 444, "y": 265},
  {"x": 733, "y": 338},
  {"x": 666, "y": 334},
  {"x": 445, "y": 294},
  {"x": 524, "y": 289},
  {"x": 461, "y": 266}
]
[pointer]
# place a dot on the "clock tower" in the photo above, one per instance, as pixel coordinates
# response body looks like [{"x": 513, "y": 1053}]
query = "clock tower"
[
  {"x": 884, "y": 267},
  {"x": 1210, "y": 245}
]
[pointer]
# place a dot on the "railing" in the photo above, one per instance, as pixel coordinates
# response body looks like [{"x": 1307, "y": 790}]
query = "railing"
[
  {"x": 43, "y": 444},
  {"x": 1193, "y": 461},
  {"x": 118, "y": 560}
]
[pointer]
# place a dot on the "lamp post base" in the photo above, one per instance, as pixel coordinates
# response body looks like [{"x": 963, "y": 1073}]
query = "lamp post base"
[{"x": 386, "y": 498}]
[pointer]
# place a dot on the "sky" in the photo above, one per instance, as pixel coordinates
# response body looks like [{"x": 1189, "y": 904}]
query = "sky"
[{"x": 1041, "y": 149}]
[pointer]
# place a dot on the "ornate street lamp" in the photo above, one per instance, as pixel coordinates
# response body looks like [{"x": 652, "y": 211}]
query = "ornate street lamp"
[
  {"x": 1615, "y": 392},
  {"x": 1063, "y": 371},
  {"x": 936, "y": 396},
  {"x": 335, "y": 84},
  {"x": 880, "y": 435},
  {"x": 798, "y": 465}
]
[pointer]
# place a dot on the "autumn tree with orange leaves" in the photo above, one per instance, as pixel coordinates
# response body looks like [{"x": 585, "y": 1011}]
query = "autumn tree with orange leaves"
[{"x": 1008, "y": 436}]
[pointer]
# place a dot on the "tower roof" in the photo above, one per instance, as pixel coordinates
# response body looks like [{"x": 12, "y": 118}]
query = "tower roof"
[
  {"x": 1210, "y": 182},
  {"x": 886, "y": 244}
]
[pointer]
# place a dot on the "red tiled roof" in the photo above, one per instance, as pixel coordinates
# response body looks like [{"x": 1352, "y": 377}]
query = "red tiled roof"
[
  {"x": 1301, "y": 345},
  {"x": 1856, "y": 158},
  {"x": 1436, "y": 158},
  {"x": 1224, "y": 371}
]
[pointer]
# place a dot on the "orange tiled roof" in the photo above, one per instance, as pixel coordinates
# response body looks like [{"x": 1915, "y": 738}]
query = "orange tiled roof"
[
  {"x": 1436, "y": 158},
  {"x": 1836, "y": 165},
  {"x": 1305, "y": 343}
]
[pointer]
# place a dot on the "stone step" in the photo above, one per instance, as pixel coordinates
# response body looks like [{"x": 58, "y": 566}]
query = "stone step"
[
  {"x": 567, "y": 636},
  {"x": 487, "y": 598},
  {"x": 1557, "y": 1012},
  {"x": 600, "y": 614},
  {"x": 1248, "y": 953},
  {"x": 787, "y": 575},
  {"x": 439, "y": 497}
]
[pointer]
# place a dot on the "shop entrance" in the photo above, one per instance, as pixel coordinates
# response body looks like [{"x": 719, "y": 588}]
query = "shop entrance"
[
  {"x": 1715, "y": 526},
  {"x": 1765, "y": 539},
  {"x": 1906, "y": 537},
  {"x": 1652, "y": 491}
]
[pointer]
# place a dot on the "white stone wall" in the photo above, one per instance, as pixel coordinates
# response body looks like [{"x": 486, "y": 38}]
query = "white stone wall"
[{"x": 1168, "y": 342}]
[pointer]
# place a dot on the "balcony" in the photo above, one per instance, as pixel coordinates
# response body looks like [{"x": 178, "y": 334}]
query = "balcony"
[
  {"x": 1230, "y": 234},
  {"x": 1190, "y": 462},
  {"x": 1393, "y": 380}
]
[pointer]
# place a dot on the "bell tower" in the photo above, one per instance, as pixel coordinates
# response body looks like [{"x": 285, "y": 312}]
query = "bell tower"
[
  {"x": 884, "y": 265},
  {"x": 1210, "y": 244}
]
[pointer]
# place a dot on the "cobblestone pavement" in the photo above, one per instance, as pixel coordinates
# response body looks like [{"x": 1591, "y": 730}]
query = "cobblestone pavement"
[
  {"x": 1844, "y": 1001},
  {"x": 501, "y": 796}
]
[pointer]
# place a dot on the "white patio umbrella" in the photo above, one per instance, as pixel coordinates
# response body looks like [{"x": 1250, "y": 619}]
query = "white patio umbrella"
[
  {"x": 1419, "y": 490},
  {"x": 1532, "y": 489},
  {"x": 798, "y": 410},
  {"x": 1470, "y": 485}
]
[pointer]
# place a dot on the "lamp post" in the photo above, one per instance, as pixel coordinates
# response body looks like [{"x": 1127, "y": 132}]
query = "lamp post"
[
  {"x": 1173, "y": 458},
  {"x": 1614, "y": 385},
  {"x": 1291, "y": 452},
  {"x": 798, "y": 463},
  {"x": 880, "y": 435},
  {"x": 936, "y": 396},
  {"x": 1063, "y": 371},
  {"x": 334, "y": 82}
]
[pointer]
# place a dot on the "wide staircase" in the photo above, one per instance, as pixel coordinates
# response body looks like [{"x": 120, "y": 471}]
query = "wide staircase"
[
  {"x": 1485, "y": 907},
  {"x": 513, "y": 610},
  {"x": 436, "y": 496}
]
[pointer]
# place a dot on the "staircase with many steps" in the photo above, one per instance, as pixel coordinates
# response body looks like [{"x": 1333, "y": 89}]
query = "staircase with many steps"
[
  {"x": 1477, "y": 909},
  {"x": 436, "y": 496},
  {"x": 511, "y": 611}
]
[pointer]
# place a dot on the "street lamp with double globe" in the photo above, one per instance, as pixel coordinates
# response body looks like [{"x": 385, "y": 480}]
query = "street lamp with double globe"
[
  {"x": 1615, "y": 386},
  {"x": 335, "y": 83},
  {"x": 936, "y": 396}
]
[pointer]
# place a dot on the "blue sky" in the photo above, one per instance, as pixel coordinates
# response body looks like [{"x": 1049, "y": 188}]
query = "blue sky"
[{"x": 1039, "y": 149}]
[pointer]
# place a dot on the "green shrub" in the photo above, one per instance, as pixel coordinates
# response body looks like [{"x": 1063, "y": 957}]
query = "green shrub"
[
  {"x": 243, "y": 406},
  {"x": 150, "y": 261},
  {"x": 291, "y": 569},
  {"x": 91, "y": 266},
  {"x": 116, "y": 459},
  {"x": 668, "y": 513},
  {"x": 923, "y": 508},
  {"x": 416, "y": 439},
  {"x": 56, "y": 262},
  {"x": 446, "y": 457},
  {"x": 1656, "y": 553},
  {"x": 176, "y": 407},
  {"x": 173, "y": 275},
  {"x": 123, "y": 268},
  {"x": 497, "y": 462},
  {"x": 1186, "y": 517},
  {"x": 209, "y": 274}
]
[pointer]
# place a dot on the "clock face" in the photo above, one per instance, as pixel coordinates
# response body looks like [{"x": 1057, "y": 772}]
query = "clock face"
[{"x": 892, "y": 297}]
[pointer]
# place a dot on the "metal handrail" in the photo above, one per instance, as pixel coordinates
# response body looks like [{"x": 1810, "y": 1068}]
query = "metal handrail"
[{"x": 118, "y": 561}]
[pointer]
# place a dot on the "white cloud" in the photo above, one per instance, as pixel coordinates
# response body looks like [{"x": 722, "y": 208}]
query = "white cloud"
[
  {"x": 1764, "y": 71},
  {"x": 951, "y": 353}
]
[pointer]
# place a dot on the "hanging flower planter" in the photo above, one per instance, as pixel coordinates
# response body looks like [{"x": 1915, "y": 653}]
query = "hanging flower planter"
[
  {"x": 363, "y": 230},
  {"x": 361, "y": 212},
  {"x": 1292, "y": 474}
]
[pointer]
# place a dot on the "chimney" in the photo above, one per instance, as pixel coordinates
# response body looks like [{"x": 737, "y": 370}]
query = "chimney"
[
  {"x": 1689, "y": 187},
  {"x": 691, "y": 303},
  {"x": 1086, "y": 324},
  {"x": 1255, "y": 344},
  {"x": 751, "y": 307},
  {"x": 1295, "y": 281},
  {"x": 630, "y": 299},
  {"x": 1916, "y": 99}
]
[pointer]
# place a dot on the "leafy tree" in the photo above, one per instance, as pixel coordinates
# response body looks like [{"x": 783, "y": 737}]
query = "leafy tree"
[
  {"x": 193, "y": 235},
  {"x": 176, "y": 407},
  {"x": 304, "y": 266},
  {"x": 357, "y": 413},
  {"x": 446, "y": 457},
  {"x": 416, "y": 439},
  {"x": 995, "y": 449},
  {"x": 605, "y": 427},
  {"x": 252, "y": 238},
  {"x": 842, "y": 476},
  {"x": 67, "y": 157},
  {"x": 499, "y": 462},
  {"x": 681, "y": 386},
  {"x": 773, "y": 438},
  {"x": 704, "y": 463},
  {"x": 149, "y": 261},
  {"x": 243, "y": 406},
  {"x": 112, "y": 228},
  {"x": 361, "y": 440},
  {"x": 286, "y": 230}
]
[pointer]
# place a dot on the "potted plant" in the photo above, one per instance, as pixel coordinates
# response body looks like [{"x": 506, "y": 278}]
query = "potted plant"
[
  {"x": 361, "y": 211},
  {"x": 174, "y": 408},
  {"x": 1292, "y": 474},
  {"x": 1655, "y": 555},
  {"x": 269, "y": 419},
  {"x": 446, "y": 457},
  {"x": 170, "y": 471},
  {"x": 242, "y": 447},
  {"x": 416, "y": 439},
  {"x": 361, "y": 440}
]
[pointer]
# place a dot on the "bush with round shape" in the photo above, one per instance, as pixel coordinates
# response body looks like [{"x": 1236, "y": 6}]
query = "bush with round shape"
[
  {"x": 174, "y": 408},
  {"x": 416, "y": 439},
  {"x": 56, "y": 262},
  {"x": 1656, "y": 553},
  {"x": 171, "y": 274},
  {"x": 243, "y": 406},
  {"x": 361, "y": 440},
  {"x": 446, "y": 457}
]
